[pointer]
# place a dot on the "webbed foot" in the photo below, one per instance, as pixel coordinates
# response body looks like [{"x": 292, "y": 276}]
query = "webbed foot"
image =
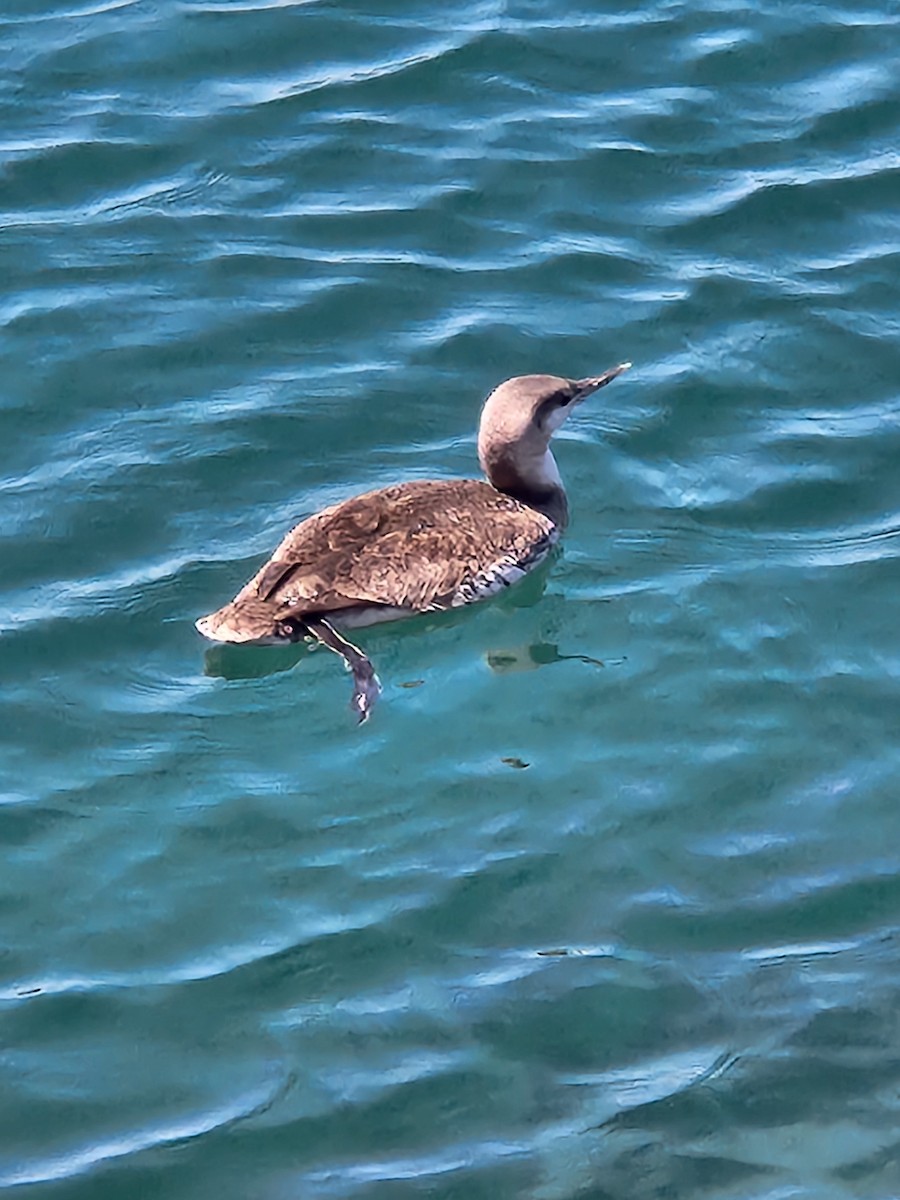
[{"x": 366, "y": 687}]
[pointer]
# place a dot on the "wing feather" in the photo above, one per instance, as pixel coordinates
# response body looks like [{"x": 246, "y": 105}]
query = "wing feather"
[{"x": 415, "y": 546}]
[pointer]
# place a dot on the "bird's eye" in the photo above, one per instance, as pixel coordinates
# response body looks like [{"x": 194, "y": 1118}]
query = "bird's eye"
[{"x": 562, "y": 399}]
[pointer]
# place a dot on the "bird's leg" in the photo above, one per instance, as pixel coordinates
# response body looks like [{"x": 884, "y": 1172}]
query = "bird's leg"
[{"x": 366, "y": 688}]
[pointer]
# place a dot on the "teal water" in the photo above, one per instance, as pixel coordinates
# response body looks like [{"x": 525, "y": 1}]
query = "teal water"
[{"x": 542, "y": 928}]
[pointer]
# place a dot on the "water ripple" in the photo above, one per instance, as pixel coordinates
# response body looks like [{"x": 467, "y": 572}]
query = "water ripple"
[
  {"x": 78, "y": 1161},
  {"x": 262, "y": 255}
]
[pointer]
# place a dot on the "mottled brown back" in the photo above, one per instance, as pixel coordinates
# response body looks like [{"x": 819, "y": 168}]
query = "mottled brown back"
[{"x": 412, "y": 546}]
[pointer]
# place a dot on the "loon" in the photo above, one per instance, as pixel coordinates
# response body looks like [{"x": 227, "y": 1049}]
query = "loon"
[{"x": 418, "y": 547}]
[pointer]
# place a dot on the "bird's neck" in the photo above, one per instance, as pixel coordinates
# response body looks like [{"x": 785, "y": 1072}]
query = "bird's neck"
[{"x": 534, "y": 481}]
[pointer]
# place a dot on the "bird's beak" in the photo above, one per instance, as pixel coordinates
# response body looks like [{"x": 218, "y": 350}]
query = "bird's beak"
[{"x": 584, "y": 387}]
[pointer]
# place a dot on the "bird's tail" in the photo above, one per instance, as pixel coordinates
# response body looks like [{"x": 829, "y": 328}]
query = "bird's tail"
[{"x": 248, "y": 623}]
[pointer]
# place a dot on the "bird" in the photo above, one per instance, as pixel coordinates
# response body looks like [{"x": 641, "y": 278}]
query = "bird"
[{"x": 422, "y": 546}]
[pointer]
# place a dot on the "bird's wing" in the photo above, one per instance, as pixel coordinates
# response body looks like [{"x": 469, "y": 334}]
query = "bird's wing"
[{"x": 412, "y": 546}]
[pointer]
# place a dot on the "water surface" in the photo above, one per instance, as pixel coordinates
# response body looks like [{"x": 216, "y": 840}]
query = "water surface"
[{"x": 543, "y": 928}]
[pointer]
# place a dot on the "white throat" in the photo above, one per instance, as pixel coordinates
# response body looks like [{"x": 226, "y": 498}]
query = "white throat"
[{"x": 543, "y": 472}]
